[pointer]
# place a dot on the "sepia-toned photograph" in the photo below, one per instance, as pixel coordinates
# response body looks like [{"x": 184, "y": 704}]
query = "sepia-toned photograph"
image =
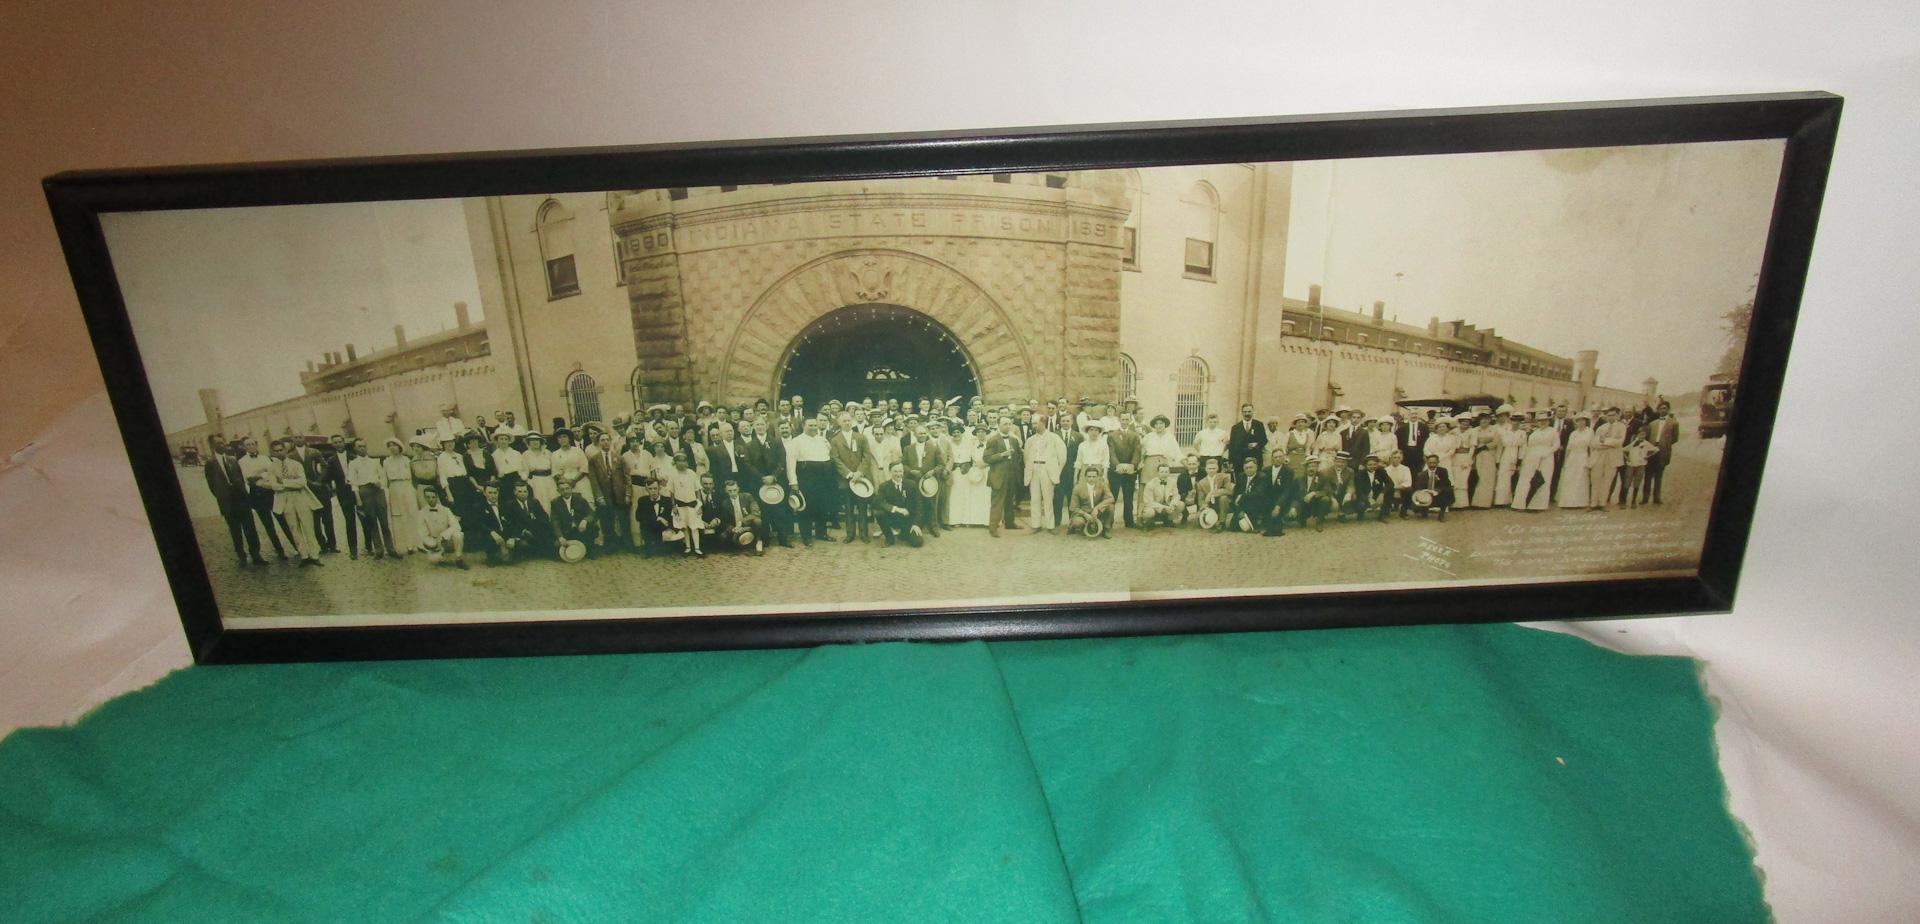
[{"x": 940, "y": 392}]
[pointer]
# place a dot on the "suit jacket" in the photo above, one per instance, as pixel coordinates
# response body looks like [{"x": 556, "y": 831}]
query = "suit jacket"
[
  {"x": 572, "y": 517},
  {"x": 1411, "y": 445},
  {"x": 769, "y": 458},
  {"x": 1358, "y": 444},
  {"x": 1123, "y": 447},
  {"x": 1264, "y": 494},
  {"x": 1050, "y": 452},
  {"x": 320, "y": 466},
  {"x": 482, "y": 523},
  {"x": 610, "y": 481},
  {"x": 1439, "y": 482},
  {"x": 1662, "y": 433},
  {"x": 655, "y": 515},
  {"x": 1004, "y": 460},
  {"x": 723, "y": 469},
  {"x": 933, "y": 460},
  {"x": 1090, "y": 494},
  {"x": 228, "y": 486},
  {"x": 1243, "y": 443},
  {"x": 850, "y": 460},
  {"x": 749, "y": 509},
  {"x": 889, "y": 497},
  {"x": 529, "y": 522}
]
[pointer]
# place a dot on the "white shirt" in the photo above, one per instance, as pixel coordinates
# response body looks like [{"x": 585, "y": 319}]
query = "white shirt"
[
  {"x": 364, "y": 470},
  {"x": 254, "y": 466},
  {"x": 1094, "y": 452},
  {"x": 1165, "y": 444},
  {"x": 1210, "y": 442},
  {"x": 506, "y": 461}
]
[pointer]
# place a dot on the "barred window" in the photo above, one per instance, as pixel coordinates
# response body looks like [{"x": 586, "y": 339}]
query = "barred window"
[
  {"x": 1129, "y": 377},
  {"x": 583, "y": 398},
  {"x": 1190, "y": 398}
]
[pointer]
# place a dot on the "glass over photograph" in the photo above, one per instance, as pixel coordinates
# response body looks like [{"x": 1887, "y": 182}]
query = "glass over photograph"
[{"x": 988, "y": 390}]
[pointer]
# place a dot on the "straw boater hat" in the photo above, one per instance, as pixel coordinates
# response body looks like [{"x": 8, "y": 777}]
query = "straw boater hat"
[
  {"x": 1503, "y": 409},
  {"x": 394, "y": 441},
  {"x": 1443, "y": 421},
  {"x": 536, "y": 438}
]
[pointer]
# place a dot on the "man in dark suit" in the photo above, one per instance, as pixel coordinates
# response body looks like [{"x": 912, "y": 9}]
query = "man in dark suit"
[
  {"x": 1433, "y": 477},
  {"x": 320, "y": 482},
  {"x": 851, "y": 457},
  {"x": 766, "y": 463},
  {"x": 894, "y": 508},
  {"x": 1412, "y": 434},
  {"x": 488, "y": 532},
  {"x": 571, "y": 515},
  {"x": 343, "y": 493},
  {"x": 1271, "y": 495},
  {"x": 1248, "y": 440},
  {"x": 530, "y": 527},
  {"x": 737, "y": 510},
  {"x": 923, "y": 458},
  {"x": 229, "y": 489},
  {"x": 1123, "y": 448},
  {"x": 1662, "y": 431},
  {"x": 608, "y": 474},
  {"x": 1004, "y": 469},
  {"x": 726, "y": 456},
  {"x": 653, "y": 516},
  {"x": 1356, "y": 440}
]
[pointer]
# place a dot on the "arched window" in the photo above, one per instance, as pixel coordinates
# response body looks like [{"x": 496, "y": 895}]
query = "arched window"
[
  {"x": 1129, "y": 377},
  {"x": 1190, "y": 398},
  {"x": 639, "y": 390},
  {"x": 583, "y": 398},
  {"x": 555, "y": 226},
  {"x": 1200, "y": 208}
]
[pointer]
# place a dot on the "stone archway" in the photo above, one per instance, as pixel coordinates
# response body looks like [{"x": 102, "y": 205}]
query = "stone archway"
[
  {"x": 760, "y": 346},
  {"x": 877, "y": 351}
]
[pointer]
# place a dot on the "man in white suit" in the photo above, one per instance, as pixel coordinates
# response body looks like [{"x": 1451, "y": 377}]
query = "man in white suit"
[{"x": 1046, "y": 455}]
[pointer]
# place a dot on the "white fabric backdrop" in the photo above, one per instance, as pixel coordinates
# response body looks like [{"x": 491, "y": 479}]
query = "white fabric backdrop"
[{"x": 1814, "y": 671}]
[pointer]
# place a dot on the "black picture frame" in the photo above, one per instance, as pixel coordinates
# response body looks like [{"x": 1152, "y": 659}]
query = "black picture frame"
[{"x": 1807, "y": 122}]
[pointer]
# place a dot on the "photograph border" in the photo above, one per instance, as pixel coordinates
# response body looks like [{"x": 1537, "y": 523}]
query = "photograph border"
[{"x": 1807, "y": 122}]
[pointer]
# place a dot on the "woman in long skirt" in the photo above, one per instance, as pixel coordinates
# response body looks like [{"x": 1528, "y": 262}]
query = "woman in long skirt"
[
  {"x": 570, "y": 464},
  {"x": 969, "y": 497},
  {"x": 1536, "y": 466},
  {"x": 1574, "y": 463},
  {"x": 537, "y": 463},
  {"x": 1486, "y": 459},
  {"x": 402, "y": 513},
  {"x": 1512, "y": 441}
]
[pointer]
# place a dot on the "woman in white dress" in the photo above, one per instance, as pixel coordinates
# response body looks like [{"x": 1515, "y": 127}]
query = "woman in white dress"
[
  {"x": 1160, "y": 446},
  {"x": 1487, "y": 447},
  {"x": 1447, "y": 444},
  {"x": 537, "y": 462},
  {"x": 1328, "y": 444},
  {"x": 1575, "y": 462},
  {"x": 1512, "y": 443},
  {"x": 968, "y": 499},
  {"x": 402, "y": 513},
  {"x": 570, "y": 464}
]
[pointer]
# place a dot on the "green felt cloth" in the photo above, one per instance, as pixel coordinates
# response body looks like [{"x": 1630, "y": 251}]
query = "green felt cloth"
[{"x": 1487, "y": 773}]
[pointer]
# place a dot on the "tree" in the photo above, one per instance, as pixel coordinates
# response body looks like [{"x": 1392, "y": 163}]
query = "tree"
[{"x": 1736, "y": 323}]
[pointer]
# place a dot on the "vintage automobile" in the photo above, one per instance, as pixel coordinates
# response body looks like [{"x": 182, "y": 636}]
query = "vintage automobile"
[{"x": 1716, "y": 405}]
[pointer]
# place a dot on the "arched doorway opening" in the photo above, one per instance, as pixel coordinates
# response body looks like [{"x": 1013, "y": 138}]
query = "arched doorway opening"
[{"x": 876, "y": 351}]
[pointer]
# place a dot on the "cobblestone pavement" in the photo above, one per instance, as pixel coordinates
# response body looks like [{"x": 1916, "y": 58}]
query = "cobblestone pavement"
[{"x": 969, "y": 564}]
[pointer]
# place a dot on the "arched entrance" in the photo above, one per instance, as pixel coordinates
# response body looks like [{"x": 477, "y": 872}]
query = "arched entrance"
[{"x": 878, "y": 351}]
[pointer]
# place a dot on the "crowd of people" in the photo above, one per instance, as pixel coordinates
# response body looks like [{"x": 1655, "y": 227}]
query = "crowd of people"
[{"x": 687, "y": 482}]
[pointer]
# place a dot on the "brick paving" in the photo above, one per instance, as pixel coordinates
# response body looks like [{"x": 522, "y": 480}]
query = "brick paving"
[{"x": 968, "y": 564}]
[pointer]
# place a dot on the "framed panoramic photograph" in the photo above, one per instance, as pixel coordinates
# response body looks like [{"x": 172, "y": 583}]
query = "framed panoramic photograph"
[{"x": 1465, "y": 365}]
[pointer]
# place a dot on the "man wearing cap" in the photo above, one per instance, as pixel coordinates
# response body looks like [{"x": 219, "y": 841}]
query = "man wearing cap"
[{"x": 1004, "y": 474}]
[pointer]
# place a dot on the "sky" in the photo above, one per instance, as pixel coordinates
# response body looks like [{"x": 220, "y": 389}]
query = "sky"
[
  {"x": 1634, "y": 252},
  {"x": 240, "y": 299}
]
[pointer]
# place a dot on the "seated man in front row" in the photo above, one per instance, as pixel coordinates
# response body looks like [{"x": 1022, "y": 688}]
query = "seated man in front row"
[
  {"x": 531, "y": 529},
  {"x": 894, "y": 508},
  {"x": 1270, "y": 495},
  {"x": 1161, "y": 502},
  {"x": 440, "y": 530},
  {"x": 1092, "y": 499},
  {"x": 571, "y": 515},
  {"x": 653, "y": 519},
  {"x": 1432, "y": 477},
  {"x": 739, "y": 511}
]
